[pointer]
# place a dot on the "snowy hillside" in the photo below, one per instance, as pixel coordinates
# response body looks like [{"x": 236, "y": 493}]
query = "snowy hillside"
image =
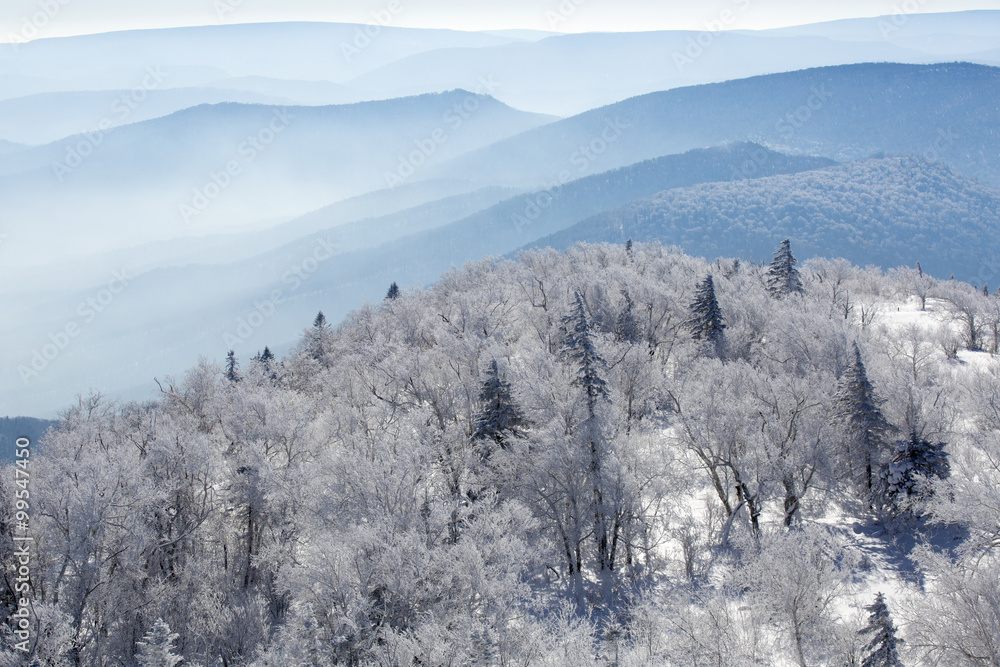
[{"x": 616, "y": 455}]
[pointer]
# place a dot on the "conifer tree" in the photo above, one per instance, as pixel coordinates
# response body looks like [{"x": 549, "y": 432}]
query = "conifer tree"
[
  {"x": 578, "y": 346},
  {"x": 707, "y": 322},
  {"x": 499, "y": 417},
  {"x": 232, "y": 367},
  {"x": 882, "y": 649},
  {"x": 858, "y": 409},
  {"x": 626, "y": 327},
  {"x": 316, "y": 337},
  {"x": 393, "y": 292},
  {"x": 157, "y": 647},
  {"x": 917, "y": 459},
  {"x": 782, "y": 276}
]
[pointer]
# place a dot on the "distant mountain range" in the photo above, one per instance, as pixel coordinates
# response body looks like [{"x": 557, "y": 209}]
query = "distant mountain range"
[
  {"x": 214, "y": 168},
  {"x": 886, "y": 212},
  {"x": 947, "y": 112},
  {"x": 329, "y": 63},
  {"x": 12, "y": 428}
]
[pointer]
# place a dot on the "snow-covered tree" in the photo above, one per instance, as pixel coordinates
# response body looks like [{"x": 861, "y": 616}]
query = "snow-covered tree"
[
  {"x": 882, "y": 649},
  {"x": 867, "y": 432},
  {"x": 499, "y": 418},
  {"x": 156, "y": 649},
  {"x": 706, "y": 322},
  {"x": 782, "y": 276},
  {"x": 626, "y": 327},
  {"x": 907, "y": 477},
  {"x": 578, "y": 347}
]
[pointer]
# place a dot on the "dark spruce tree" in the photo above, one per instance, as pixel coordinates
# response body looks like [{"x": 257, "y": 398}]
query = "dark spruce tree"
[
  {"x": 499, "y": 418},
  {"x": 393, "y": 292},
  {"x": 707, "y": 322},
  {"x": 867, "y": 432},
  {"x": 578, "y": 346},
  {"x": 232, "y": 367},
  {"x": 782, "y": 276},
  {"x": 320, "y": 321},
  {"x": 882, "y": 650}
]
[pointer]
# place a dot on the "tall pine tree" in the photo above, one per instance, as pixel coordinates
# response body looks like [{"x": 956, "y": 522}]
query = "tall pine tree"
[
  {"x": 706, "y": 323},
  {"x": 882, "y": 649},
  {"x": 782, "y": 276},
  {"x": 579, "y": 348},
  {"x": 867, "y": 431},
  {"x": 393, "y": 292}
]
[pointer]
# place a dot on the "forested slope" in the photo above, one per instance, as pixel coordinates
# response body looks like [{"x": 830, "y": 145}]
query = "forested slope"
[
  {"x": 597, "y": 457},
  {"x": 885, "y": 211}
]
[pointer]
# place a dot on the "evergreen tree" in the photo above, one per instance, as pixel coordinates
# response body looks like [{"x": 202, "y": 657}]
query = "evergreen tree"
[
  {"x": 316, "y": 337},
  {"x": 626, "y": 327},
  {"x": 628, "y": 250},
  {"x": 916, "y": 460},
  {"x": 157, "y": 647},
  {"x": 393, "y": 292},
  {"x": 232, "y": 367},
  {"x": 782, "y": 276},
  {"x": 882, "y": 649},
  {"x": 265, "y": 358},
  {"x": 499, "y": 417},
  {"x": 858, "y": 408},
  {"x": 578, "y": 346},
  {"x": 707, "y": 322}
]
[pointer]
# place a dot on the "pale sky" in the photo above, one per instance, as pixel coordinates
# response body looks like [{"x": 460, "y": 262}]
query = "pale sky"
[{"x": 55, "y": 18}]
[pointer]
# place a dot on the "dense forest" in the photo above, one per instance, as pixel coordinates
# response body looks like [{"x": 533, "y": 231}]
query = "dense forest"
[{"x": 614, "y": 455}]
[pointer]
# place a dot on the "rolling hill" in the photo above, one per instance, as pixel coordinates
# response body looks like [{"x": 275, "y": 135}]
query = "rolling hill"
[
  {"x": 887, "y": 212},
  {"x": 946, "y": 111},
  {"x": 224, "y": 167}
]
